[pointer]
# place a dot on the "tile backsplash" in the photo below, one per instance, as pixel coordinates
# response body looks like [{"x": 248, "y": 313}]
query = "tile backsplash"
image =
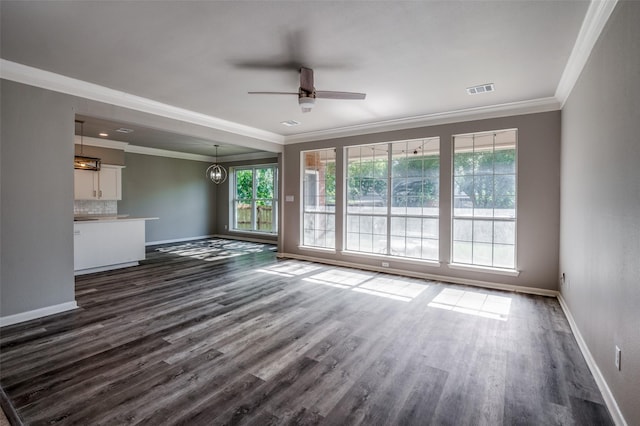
[{"x": 98, "y": 207}]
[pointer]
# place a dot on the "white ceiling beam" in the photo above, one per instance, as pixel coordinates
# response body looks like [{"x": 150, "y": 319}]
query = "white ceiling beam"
[{"x": 59, "y": 83}]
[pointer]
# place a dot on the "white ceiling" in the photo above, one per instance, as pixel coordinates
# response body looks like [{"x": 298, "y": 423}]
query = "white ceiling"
[{"x": 412, "y": 58}]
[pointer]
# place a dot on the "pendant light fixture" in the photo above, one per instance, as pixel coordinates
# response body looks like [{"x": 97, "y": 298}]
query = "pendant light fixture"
[
  {"x": 81, "y": 161},
  {"x": 216, "y": 172}
]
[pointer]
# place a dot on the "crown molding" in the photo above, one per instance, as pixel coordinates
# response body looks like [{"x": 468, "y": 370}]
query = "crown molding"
[
  {"x": 59, "y": 83},
  {"x": 469, "y": 114},
  {"x": 596, "y": 18}
]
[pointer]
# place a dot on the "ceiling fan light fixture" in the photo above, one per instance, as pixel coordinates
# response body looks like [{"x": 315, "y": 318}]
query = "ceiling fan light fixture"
[{"x": 306, "y": 103}]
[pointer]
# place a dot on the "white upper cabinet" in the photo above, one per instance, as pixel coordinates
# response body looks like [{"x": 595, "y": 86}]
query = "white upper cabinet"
[
  {"x": 85, "y": 184},
  {"x": 110, "y": 183},
  {"x": 103, "y": 185}
]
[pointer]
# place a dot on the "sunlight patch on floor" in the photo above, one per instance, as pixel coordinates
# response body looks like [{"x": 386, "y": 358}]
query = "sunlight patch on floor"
[
  {"x": 289, "y": 269},
  {"x": 215, "y": 249},
  {"x": 342, "y": 278},
  {"x": 473, "y": 303},
  {"x": 387, "y": 287}
]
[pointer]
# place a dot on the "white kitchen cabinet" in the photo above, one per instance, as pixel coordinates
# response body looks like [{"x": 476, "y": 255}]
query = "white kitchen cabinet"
[
  {"x": 105, "y": 184},
  {"x": 110, "y": 183},
  {"x": 84, "y": 184}
]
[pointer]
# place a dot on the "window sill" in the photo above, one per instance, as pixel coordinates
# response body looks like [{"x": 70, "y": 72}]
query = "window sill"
[
  {"x": 487, "y": 269},
  {"x": 244, "y": 231},
  {"x": 412, "y": 260},
  {"x": 318, "y": 249}
]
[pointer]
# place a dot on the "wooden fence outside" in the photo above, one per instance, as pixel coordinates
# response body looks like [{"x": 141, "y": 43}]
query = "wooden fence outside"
[{"x": 264, "y": 217}]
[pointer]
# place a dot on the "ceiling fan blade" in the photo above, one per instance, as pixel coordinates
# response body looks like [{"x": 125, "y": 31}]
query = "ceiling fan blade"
[
  {"x": 276, "y": 64},
  {"x": 273, "y": 93},
  {"x": 306, "y": 79},
  {"x": 339, "y": 95}
]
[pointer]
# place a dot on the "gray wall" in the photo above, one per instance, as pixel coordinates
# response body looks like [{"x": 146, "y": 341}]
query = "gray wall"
[
  {"x": 174, "y": 190},
  {"x": 36, "y": 202},
  {"x": 600, "y": 212},
  {"x": 36, "y": 223},
  {"x": 223, "y": 205},
  {"x": 538, "y": 197}
]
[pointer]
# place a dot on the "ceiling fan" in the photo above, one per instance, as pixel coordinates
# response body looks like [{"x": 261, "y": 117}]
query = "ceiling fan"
[{"x": 307, "y": 94}]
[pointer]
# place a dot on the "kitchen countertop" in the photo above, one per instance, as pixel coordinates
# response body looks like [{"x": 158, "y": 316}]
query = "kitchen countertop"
[{"x": 112, "y": 218}]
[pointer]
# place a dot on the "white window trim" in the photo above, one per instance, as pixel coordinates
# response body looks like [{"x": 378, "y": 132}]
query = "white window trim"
[
  {"x": 318, "y": 249},
  {"x": 301, "y": 211},
  {"x": 469, "y": 266},
  {"x": 388, "y": 215},
  {"x": 233, "y": 193},
  {"x": 390, "y": 258},
  {"x": 487, "y": 269}
]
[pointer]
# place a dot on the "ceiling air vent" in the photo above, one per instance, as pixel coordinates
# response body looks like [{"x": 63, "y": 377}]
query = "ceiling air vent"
[
  {"x": 483, "y": 88},
  {"x": 290, "y": 123},
  {"x": 124, "y": 130}
]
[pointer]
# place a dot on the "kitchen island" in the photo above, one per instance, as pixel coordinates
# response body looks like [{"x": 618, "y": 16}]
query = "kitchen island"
[{"x": 107, "y": 242}]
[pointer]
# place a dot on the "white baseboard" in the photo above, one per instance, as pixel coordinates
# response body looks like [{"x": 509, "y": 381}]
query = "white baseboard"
[
  {"x": 177, "y": 240},
  {"x": 105, "y": 268},
  {"x": 249, "y": 239},
  {"x": 37, "y": 313},
  {"x": 202, "y": 237},
  {"x": 432, "y": 277},
  {"x": 612, "y": 405}
]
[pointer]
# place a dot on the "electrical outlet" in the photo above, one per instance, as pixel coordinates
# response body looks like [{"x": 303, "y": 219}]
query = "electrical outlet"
[
  {"x": 385, "y": 264},
  {"x": 563, "y": 279},
  {"x": 618, "y": 356}
]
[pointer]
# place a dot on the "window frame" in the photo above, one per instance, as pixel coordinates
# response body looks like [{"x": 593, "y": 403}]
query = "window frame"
[
  {"x": 303, "y": 204},
  {"x": 233, "y": 192},
  {"x": 389, "y": 214},
  {"x": 512, "y": 271}
]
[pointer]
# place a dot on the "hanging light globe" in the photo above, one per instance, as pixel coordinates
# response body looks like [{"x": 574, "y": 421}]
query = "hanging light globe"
[{"x": 215, "y": 172}]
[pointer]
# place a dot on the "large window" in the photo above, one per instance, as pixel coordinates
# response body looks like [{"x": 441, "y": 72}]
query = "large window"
[
  {"x": 319, "y": 198},
  {"x": 484, "y": 199},
  {"x": 254, "y": 198},
  {"x": 392, "y": 198}
]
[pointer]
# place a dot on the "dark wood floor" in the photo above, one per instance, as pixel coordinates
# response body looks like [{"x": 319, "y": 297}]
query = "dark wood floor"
[{"x": 186, "y": 338}]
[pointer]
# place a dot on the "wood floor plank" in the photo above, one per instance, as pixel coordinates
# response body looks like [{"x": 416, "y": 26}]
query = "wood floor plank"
[{"x": 190, "y": 338}]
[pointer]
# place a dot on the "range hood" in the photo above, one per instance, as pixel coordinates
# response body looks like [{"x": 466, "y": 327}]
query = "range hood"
[{"x": 83, "y": 162}]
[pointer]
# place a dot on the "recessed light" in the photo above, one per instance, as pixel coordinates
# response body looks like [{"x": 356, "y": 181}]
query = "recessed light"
[
  {"x": 124, "y": 130},
  {"x": 103, "y": 134},
  {"x": 290, "y": 123},
  {"x": 483, "y": 88}
]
